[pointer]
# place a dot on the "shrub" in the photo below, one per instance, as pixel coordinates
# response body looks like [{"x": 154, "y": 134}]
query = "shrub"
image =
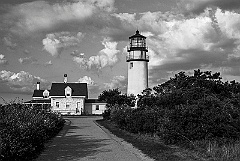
[{"x": 26, "y": 130}]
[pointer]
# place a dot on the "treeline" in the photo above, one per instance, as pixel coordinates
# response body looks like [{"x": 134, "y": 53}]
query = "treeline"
[
  {"x": 24, "y": 130},
  {"x": 198, "y": 108}
]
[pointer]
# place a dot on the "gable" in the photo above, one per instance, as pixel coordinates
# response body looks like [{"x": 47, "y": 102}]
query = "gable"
[{"x": 78, "y": 89}]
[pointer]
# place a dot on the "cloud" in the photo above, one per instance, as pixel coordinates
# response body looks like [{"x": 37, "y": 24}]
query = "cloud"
[
  {"x": 3, "y": 60},
  {"x": 107, "y": 57},
  {"x": 55, "y": 43},
  {"x": 87, "y": 80},
  {"x": 117, "y": 82},
  {"x": 21, "y": 82},
  {"x": 28, "y": 60},
  {"x": 38, "y": 16},
  {"x": 7, "y": 40},
  {"x": 125, "y": 24},
  {"x": 205, "y": 41},
  {"x": 76, "y": 53},
  {"x": 190, "y": 6}
]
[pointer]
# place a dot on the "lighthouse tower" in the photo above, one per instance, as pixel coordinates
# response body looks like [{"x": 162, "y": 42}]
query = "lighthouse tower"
[{"x": 137, "y": 60}]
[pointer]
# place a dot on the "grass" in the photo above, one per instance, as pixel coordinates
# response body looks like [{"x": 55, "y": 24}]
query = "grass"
[
  {"x": 152, "y": 146},
  {"x": 224, "y": 152}
]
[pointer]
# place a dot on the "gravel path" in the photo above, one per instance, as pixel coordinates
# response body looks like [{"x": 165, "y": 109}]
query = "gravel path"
[{"x": 83, "y": 139}]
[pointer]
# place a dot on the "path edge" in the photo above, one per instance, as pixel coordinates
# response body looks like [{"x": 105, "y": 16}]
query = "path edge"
[{"x": 127, "y": 146}]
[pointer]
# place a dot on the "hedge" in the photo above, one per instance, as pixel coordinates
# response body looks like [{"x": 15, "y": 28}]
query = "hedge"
[{"x": 24, "y": 131}]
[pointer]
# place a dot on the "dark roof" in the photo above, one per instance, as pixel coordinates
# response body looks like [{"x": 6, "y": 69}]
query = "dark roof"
[
  {"x": 137, "y": 35},
  {"x": 78, "y": 89},
  {"x": 48, "y": 101},
  {"x": 93, "y": 101},
  {"x": 38, "y": 93}
]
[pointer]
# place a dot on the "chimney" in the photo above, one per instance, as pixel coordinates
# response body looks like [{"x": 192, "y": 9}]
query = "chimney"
[
  {"x": 65, "y": 78},
  {"x": 38, "y": 85}
]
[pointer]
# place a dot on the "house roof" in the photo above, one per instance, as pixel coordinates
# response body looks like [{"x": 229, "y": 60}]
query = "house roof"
[
  {"x": 38, "y": 102},
  {"x": 93, "y": 101},
  {"x": 78, "y": 89},
  {"x": 38, "y": 93}
]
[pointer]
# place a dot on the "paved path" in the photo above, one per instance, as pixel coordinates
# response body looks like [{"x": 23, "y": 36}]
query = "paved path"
[{"x": 83, "y": 140}]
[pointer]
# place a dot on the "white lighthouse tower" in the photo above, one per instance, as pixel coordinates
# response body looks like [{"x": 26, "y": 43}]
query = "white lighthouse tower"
[{"x": 137, "y": 60}]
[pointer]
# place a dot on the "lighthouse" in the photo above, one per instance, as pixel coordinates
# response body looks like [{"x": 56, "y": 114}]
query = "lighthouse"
[{"x": 137, "y": 60}]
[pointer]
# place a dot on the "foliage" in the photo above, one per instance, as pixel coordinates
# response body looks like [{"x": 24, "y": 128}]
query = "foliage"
[
  {"x": 186, "y": 108},
  {"x": 136, "y": 120},
  {"x": 114, "y": 97},
  {"x": 24, "y": 130}
]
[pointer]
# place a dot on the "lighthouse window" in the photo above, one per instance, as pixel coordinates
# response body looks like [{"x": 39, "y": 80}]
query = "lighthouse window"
[{"x": 131, "y": 65}]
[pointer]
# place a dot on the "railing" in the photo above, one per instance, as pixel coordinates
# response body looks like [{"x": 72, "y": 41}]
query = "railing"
[
  {"x": 131, "y": 57},
  {"x": 131, "y": 48}
]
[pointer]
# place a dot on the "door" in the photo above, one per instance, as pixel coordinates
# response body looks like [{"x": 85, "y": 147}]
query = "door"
[{"x": 79, "y": 108}]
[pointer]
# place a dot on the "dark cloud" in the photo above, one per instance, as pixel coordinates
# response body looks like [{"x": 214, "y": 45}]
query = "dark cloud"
[
  {"x": 233, "y": 71},
  {"x": 9, "y": 42},
  {"x": 199, "y": 6},
  {"x": 14, "y": 1}
]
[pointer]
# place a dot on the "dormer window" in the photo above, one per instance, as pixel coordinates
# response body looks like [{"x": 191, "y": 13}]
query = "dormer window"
[
  {"x": 68, "y": 91},
  {"x": 46, "y": 94}
]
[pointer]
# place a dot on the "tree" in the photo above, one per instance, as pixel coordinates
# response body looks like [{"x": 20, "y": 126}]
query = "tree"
[{"x": 115, "y": 97}]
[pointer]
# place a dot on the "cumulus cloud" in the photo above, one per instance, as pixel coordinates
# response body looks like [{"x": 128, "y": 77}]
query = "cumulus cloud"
[
  {"x": 106, "y": 57},
  {"x": 76, "y": 53},
  {"x": 21, "y": 82},
  {"x": 28, "y": 60},
  {"x": 3, "y": 60},
  {"x": 37, "y": 16},
  {"x": 117, "y": 82},
  {"x": 190, "y": 6},
  {"x": 205, "y": 41},
  {"x": 55, "y": 43},
  {"x": 87, "y": 80},
  {"x": 125, "y": 24}
]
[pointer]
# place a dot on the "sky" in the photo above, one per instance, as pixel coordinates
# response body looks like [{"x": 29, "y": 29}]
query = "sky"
[{"x": 40, "y": 41}]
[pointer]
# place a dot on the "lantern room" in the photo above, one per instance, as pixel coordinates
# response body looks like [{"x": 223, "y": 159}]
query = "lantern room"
[
  {"x": 137, "y": 48},
  {"x": 137, "y": 42}
]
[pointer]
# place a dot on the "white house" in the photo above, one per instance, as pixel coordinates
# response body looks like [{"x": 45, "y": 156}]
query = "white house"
[{"x": 68, "y": 99}]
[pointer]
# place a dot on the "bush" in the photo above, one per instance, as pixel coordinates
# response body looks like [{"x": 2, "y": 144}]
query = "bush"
[
  {"x": 26, "y": 130},
  {"x": 138, "y": 120},
  {"x": 185, "y": 109},
  {"x": 209, "y": 119}
]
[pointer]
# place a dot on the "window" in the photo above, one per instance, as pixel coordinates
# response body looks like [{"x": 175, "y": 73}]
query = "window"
[
  {"x": 67, "y": 104},
  {"x": 68, "y": 91},
  {"x": 46, "y": 94},
  {"x": 57, "y": 104},
  {"x": 131, "y": 65},
  {"x": 97, "y": 107}
]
